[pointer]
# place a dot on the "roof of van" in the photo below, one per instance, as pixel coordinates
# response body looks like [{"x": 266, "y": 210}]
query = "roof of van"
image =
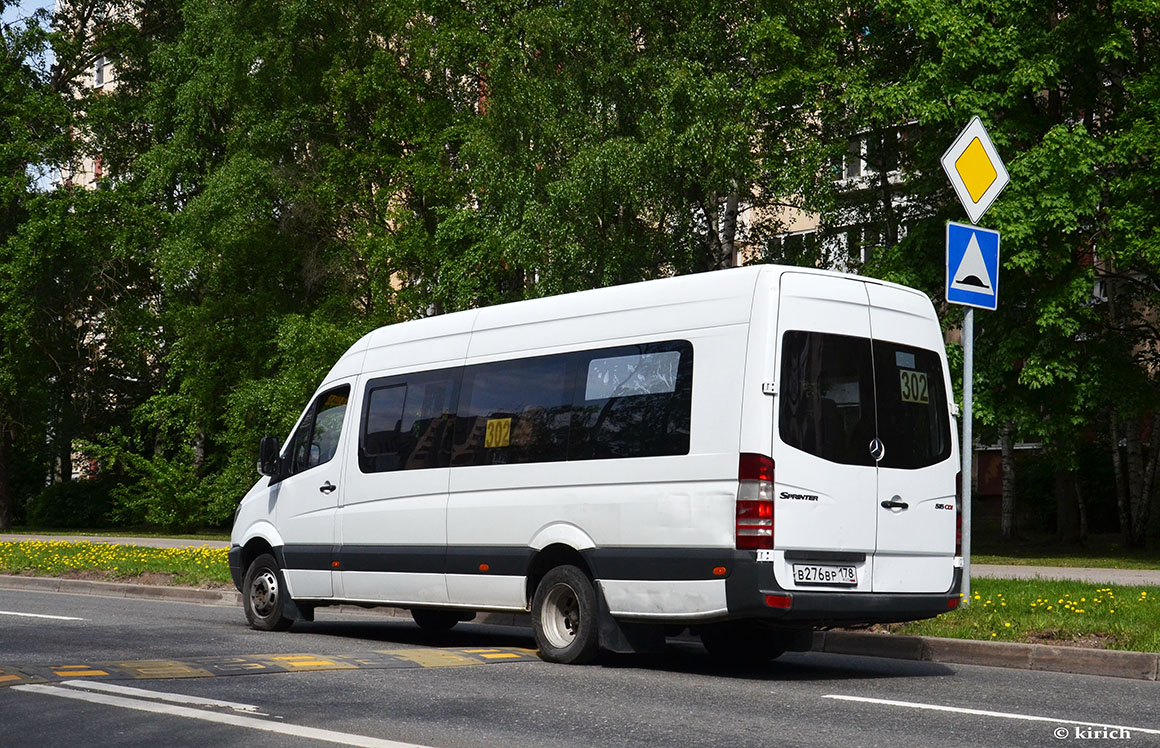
[{"x": 720, "y": 285}]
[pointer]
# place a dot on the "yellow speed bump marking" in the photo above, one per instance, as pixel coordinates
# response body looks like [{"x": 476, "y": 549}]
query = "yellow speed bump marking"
[
  {"x": 78, "y": 671},
  {"x": 309, "y": 662},
  {"x": 161, "y": 669},
  {"x": 209, "y": 667},
  {"x": 11, "y": 677},
  {"x": 495, "y": 654},
  {"x": 433, "y": 657}
]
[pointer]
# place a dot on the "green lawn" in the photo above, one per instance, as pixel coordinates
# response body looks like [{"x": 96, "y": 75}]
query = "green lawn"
[
  {"x": 199, "y": 567},
  {"x": 1099, "y": 551},
  {"x": 1052, "y": 612}
]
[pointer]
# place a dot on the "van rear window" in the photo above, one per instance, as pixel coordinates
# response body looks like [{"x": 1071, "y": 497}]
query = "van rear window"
[
  {"x": 839, "y": 392},
  {"x": 827, "y": 396}
]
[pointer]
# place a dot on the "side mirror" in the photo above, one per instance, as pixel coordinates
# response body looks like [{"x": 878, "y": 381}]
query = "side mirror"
[{"x": 268, "y": 450}]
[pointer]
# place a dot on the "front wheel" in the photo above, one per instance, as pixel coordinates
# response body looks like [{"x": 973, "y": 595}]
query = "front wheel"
[
  {"x": 264, "y": 595},
  {"x": 564, "y": 617}
]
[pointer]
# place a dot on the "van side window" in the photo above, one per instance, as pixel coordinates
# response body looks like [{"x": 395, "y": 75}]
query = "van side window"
[
  {"x": 827, "y": 396},
  {"x": 633, "y": 401},
  {"x": 315, "y": 440},
  {"x": 406, "y": 421},
  {"x": 515, "y": 411}
]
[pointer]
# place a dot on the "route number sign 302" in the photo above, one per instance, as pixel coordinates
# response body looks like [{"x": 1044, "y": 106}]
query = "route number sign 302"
[{"x": 914, "y": 386}]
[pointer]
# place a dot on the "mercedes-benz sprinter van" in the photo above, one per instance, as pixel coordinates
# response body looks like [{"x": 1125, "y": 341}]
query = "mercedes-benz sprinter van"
[{"x": 751, "y": 453}]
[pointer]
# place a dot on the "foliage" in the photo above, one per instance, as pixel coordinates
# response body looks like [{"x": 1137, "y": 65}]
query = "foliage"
[
  {"x": 282, "y": 177},
  {"x": 73, "y": 504}
]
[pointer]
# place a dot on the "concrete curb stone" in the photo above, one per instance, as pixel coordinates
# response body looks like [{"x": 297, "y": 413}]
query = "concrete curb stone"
[
  {"x": 1042, "y": 657},
  {"x": 121, "y": 589}
]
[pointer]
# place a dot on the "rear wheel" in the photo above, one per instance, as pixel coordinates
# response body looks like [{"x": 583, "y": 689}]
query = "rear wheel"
[
  {"x": 264, "y": 595},
  {"x": 741, "y": 643},
  {"x": 564, "y": 617}
]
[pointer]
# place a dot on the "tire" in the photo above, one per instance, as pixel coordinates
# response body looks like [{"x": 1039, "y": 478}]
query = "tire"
[
  {"x": 564, "y": 617},
  {"x": 741, "y": 643},
  {"x": 264, "y": 595},
  {"x": 435, "y": 621}
]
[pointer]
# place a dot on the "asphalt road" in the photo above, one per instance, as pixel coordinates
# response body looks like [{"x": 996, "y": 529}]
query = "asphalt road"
[{"x": 354, "y": 678}]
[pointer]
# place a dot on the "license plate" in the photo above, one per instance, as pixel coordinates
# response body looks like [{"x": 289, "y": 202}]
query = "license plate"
[{"x": 815, "y": 574}]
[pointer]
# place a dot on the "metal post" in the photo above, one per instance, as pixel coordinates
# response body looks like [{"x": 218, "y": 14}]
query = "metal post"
[{"x": 967, "y": 445}]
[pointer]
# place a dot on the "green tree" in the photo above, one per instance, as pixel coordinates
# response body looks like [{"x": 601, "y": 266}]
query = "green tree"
[
  {"x": 618, "y": 142},
  {"x": 1064, "y": 90}
]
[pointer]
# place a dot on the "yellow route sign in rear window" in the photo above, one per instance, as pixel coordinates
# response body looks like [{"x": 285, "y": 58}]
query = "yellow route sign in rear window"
[{"x": 498, "y": 433}]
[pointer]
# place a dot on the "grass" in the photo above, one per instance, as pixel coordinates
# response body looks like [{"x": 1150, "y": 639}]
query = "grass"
[
  {"x": 197, "y": 567},
  {"x": 1052, "y": 612},
  {"x": 1093, "y": 562},
  {"x": 1103, "y": 551}
]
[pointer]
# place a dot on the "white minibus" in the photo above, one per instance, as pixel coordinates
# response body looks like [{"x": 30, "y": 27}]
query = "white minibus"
[{"x": 751, "y": 453}]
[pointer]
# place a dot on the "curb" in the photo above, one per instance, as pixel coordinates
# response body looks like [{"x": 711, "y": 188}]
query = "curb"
[
  {"x": 121, "y": 589},
  {"x": 1043, "y": 657},
  {"x": 1040, "y": 657}
]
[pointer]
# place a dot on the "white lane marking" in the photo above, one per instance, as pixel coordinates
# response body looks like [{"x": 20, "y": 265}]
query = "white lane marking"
[
  {"x": 236, "y": 720},
  {"x": 175, "y": 698},
  {"x": 38, "y": 615},
  {"x": 985, "y": 713}
]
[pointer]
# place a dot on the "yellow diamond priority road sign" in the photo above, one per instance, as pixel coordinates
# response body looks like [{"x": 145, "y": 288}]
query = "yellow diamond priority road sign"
[{"x": 975, "y": 169}]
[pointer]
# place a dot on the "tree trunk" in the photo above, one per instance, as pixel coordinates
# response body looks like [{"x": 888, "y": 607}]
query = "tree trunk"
[
  {"x": 728, "y": 256},
  {"x": 5, "y": 475},
  {"x": 1081, "y": 505},
  {"x": 1121, "y": 487},
  {"x": 1007, "y": 447},
  {"x": 1067, "y": 514},
  {"x": 199, "y": 452},
  {"x": 1135, "y": 450},
  {"x": 1143, "y": 504}
]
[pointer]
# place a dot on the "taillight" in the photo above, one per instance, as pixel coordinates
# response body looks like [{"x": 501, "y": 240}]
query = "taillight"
[
  {"x": 958, "y": 514},
  {"x": 754, "y": 502}
]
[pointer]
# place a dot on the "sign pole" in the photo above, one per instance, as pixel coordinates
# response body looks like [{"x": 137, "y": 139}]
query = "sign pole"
[
  {"x": 967, "y": 445},
  {"x": 978, "y": 175}
]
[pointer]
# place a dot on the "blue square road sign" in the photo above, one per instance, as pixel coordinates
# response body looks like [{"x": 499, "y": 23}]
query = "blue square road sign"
[{"x": 972, "y": 266}]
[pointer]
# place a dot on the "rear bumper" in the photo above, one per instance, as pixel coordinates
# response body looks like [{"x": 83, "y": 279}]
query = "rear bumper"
[
  {"x": 750, "y": 583},
  {"x": 747, "y": 585}
]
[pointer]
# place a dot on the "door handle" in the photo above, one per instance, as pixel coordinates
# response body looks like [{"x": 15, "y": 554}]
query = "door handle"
[
  {"x": 895, "y": 503},
  {"x": 327, "y": 487}
]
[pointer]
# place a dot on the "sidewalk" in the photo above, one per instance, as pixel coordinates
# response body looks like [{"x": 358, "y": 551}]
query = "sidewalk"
[{"x": 1129, "y": 577}]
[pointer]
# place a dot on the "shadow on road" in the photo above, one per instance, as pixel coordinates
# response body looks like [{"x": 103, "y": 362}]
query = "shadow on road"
[{"x": 682, "y": 656}]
